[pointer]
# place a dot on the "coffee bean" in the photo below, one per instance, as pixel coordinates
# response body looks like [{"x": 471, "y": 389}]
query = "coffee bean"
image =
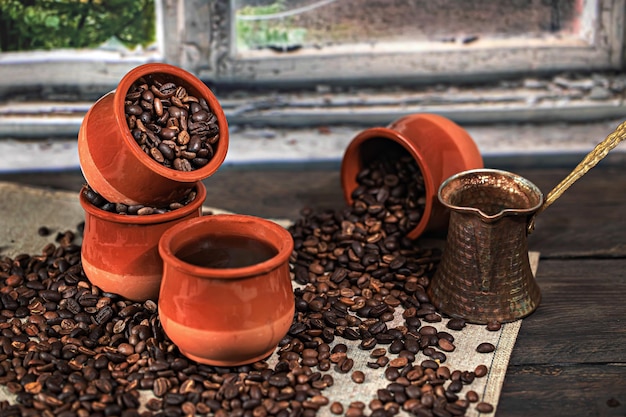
[
  {"x": 613, "y": 402},
  {"x": 392, "y": 373},
  {"x": 396, "y": 346},
  {"x": 98, "y": 201},
  {"x": 358, "y": 377},
  {"x": 484, "y": 407},
  {"x": 382, "y": 361},
  {"x": 336, "y": 408},
  {"x": 485, "y": 347},
  {"x": 340, "y": 348},
  {"x": 438, "y": 356},
  {"x": 445, "y": 345},
  {"x": 378, "y": 352},
  {"x": 455, "y": 386},
  {"x": 428, "y": 331},
  {"x": 345, "y": 365},
  {"x": 481, "y": 370},
  {"x": 398, "y": 362},
  {"x": 456, "y": 324},
  {"x": 367, "y": 344},
  {"x": 43, "y": 231},
  {"x": 158, "y": 111},
  {"x": 493, "y": 326},
  {"x": 429, "y": 364},
  {"x": 471, "y": 396}
]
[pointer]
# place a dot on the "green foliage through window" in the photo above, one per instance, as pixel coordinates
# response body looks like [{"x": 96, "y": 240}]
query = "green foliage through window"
[
  {"x": 255, "y": 30},
  {"x": 58, "y": 24}
]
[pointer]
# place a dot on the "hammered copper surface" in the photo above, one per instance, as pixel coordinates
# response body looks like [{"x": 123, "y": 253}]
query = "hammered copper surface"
[{"x": 485, "y": 273}]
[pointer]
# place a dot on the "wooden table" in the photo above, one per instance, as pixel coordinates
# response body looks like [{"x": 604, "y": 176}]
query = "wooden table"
[{"x": 570, "y": 356}]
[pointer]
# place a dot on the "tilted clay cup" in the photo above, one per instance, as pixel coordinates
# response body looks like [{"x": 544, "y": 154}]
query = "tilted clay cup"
[
  {"x": 115, "y": 166},
  {"x": 226, "y": 316},
  {"x": 120, "y": 252},
  {"x": 440, "y": 147}
]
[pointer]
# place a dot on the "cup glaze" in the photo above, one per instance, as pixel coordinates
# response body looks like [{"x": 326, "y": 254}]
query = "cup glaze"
[
  {"x": 226, "y": 316},
  {"x": 120, "y": 252},
  {"x": 440, "y": 147},
  {"x": 114, "y": 164}
]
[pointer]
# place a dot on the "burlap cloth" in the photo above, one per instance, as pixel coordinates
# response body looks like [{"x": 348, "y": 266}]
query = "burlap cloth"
[{"x": 23, "y": 210}]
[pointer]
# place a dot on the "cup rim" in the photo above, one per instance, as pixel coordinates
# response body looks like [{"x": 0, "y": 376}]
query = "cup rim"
[
  {"x": 190, "y": 80},
  {"x": 255, "y": 227},
  {"x": 147, "y": 219},
  {"x": 465, "y": 175}
]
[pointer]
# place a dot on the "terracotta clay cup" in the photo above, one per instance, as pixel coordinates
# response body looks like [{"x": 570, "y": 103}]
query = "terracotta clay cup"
[
  {"x": 440, "y": 147},
  {"x": 231, "y": 314},
  {"x": 120, "y": 252},
  {"x": 115, "y": 166}
]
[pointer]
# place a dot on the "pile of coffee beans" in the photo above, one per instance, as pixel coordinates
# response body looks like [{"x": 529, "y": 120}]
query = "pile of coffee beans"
[
  {"x": 176, "y": 129},
  {"x": 358, "y": 272},
  {"x": 137, "y": 209},
  {"x": 390, "y": 188},
  {"x": 68, "y": 349}
]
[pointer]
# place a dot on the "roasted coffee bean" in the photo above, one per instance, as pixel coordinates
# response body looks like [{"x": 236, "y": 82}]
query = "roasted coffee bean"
[
  {"x": 484, "y": 407},
  {"x": 456, "y": 324},
  {"x": 493, "y": 326},
  {"x": 367, "y": 344},
  {"x": 445, "y": 345},
  {"x": 471, "y": 396},
  {"x": 382, "y": 361},
  {"x": 43, "y": 231},
  {"x": 399, "y": 362},
  {"x": 336, "y": 408},
  {"x": 485, "y": 347},
  {"x": 158, "y": 111},
  {"x": 396, "y": 346},
  {"x": 455, "y": 386},
  {"x": 98, "y": 201},
  {"x": 358, "y": 377},
  {"x": 378, "y": 352},
  {"x": 481, "y": 370},
  {"x": 467, "y": 377},
  {"x": 429, "y": 364},
  {"x": 392, "y": 373},
  {"x": 345, "y": 365},
  {"x": 438, "y": 356}
]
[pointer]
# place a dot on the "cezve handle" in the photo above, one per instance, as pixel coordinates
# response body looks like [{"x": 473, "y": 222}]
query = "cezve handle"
[{"x": 592, "y": 158}]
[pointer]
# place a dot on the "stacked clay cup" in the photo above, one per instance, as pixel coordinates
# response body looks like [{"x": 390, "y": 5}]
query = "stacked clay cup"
[{"x": 144, "y": 150}]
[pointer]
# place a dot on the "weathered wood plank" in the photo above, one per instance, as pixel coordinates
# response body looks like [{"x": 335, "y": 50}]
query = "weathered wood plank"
[
  {"x": 581, "y": 315},
  {"x": 587, "y": 220},
  {"x": 564, "y": 390}
]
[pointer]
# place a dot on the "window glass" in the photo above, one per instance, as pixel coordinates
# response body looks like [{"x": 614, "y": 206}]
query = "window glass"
[{"x": 288, "y": 25}]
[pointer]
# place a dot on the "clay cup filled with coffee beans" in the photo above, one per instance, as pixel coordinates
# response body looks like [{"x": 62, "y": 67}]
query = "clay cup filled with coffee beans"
[{"x": 149, "y": 141}]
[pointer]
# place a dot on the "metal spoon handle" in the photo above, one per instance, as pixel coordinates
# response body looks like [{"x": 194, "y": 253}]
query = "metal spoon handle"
[{"x": 592, "y": 158}]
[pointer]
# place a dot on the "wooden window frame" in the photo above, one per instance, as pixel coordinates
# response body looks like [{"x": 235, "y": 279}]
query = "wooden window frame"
[
  {"x": 198, "y": 35},
  {"x": 212, "y": 54}
]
